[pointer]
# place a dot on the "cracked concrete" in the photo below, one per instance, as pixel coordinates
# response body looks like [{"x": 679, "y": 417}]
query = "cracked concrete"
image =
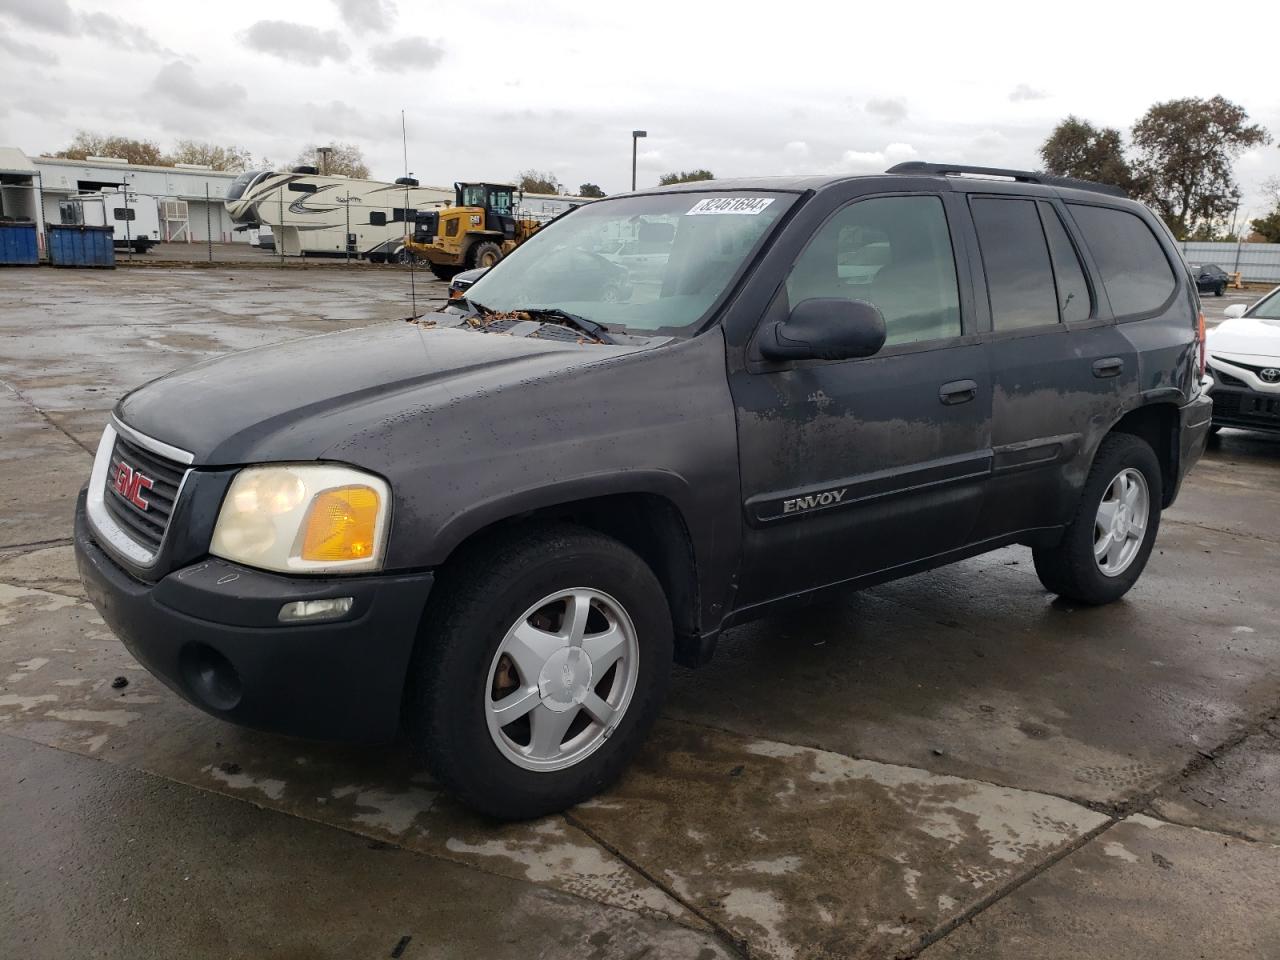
[{"x": 944, "y": 763}]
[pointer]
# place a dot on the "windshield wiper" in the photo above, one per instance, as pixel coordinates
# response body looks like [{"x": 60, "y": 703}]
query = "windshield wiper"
[{"x": 589, "y": 327}]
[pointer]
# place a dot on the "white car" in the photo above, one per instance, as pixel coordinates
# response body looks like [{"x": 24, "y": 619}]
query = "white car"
[{"x": 1244, "y": 360}]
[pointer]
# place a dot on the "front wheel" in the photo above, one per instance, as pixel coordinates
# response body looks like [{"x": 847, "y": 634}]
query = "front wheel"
[
  {"x": 1220, "y": 289},
  {"x": 545, "y": 659},
  {"x": 1106, "y": 545},
  {"x": 486, "y": 253}
]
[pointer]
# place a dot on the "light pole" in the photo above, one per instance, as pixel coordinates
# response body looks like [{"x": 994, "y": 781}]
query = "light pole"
[{"x": 635, "y": 139}]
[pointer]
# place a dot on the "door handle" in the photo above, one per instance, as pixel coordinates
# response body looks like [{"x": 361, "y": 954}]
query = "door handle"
[
  {"x": 957, "y": 391},
  {"x": 1108, "y": 367}
]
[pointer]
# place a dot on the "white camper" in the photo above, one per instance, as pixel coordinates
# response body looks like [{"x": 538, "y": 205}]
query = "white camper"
[
  {"x": 313, "y": 215},
  {"x": 134, "y": 219}
]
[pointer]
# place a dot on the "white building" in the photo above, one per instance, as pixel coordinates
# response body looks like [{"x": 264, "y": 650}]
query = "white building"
[{"x": 189, "y": 197}]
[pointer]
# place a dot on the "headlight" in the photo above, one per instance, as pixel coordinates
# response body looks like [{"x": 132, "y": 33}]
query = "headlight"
[{"x": 304, "y": 518}]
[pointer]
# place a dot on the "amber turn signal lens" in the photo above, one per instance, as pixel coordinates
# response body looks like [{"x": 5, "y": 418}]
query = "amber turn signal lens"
[{"x": 341, "y": 524}]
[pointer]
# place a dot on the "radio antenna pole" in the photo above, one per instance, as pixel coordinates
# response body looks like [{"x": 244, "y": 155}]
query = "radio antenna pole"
[{"x": 413, "y": 290}]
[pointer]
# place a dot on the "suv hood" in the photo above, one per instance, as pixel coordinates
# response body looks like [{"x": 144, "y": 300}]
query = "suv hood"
[
  {"x": 1246, "y": 336},
  {"x": 294, "y": 401}
]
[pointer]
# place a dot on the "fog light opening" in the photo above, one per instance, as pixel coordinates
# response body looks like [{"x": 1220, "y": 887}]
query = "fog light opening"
[
  {"x": 310, "y": 610},
  {"x": 210, "y": 677}
]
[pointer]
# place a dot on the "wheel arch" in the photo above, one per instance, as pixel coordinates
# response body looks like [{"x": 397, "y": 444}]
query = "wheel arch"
[
  {"x": 647, "y": 518},
  {"x": 1157, "y": 423}
]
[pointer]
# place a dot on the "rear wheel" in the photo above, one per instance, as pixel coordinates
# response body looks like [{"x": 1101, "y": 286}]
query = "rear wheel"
[
  {"x": 1105, "y": 547},
  {"x": 1220, "y": 289},
  {"x": 544, "y": 663},
  {"x": 484, "y": 254}
]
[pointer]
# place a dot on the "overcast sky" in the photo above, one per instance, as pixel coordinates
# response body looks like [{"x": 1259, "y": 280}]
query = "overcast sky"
[{"x": 498, "y": 86}]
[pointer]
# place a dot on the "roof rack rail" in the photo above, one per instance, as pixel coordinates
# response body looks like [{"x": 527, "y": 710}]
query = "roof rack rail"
[{"x": 1022, "y": 176}]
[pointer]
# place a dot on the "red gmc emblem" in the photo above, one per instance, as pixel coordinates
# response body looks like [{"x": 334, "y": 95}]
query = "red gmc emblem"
[{"x": 130, "y": 483}]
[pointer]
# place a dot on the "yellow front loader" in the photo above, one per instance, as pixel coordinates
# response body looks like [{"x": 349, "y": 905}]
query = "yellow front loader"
[{"x": 477, "y": 231}]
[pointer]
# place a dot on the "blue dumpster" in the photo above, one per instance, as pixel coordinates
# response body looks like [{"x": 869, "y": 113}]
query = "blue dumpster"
[
  {"x": 18, "y": 244},
  {"x": 74, "y": 245}
]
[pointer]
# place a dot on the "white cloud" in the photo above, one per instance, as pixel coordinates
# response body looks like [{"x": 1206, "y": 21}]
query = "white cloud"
[
  {"x": 26, "y": 51},
  {"x": 407, "y": 53},
  {"x": 47, "y": 16},
  {"x": 296, "y": 42},
  {"x": 890, "y": 109},
  {"x": 367, "y": 16},
  {"x": 176, "y": 81},
  {"x": 1024, "y": 91}
]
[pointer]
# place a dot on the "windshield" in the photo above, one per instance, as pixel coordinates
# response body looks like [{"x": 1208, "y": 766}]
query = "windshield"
[
  {"x": 1268, "y": 308},
  {"x": 643, "y": 264},
  {"x": 237, "y": 187}
]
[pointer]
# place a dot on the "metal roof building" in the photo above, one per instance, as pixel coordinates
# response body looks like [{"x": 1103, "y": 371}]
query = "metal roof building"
[{"x": 189, "y": 197}]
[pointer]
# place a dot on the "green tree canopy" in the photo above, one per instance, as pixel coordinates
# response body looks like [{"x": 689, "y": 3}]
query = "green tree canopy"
[
  {"x": 684, "y": 176},
  {"x": 1184, "y": 153},
  {"x": 538, "y": 181},
  {"x": 1077, "y": 148},
  {"x": 590, "y": 190}
]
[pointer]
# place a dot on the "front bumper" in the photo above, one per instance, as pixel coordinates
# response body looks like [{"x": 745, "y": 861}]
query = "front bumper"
[
  {"x": 1245, "y": 408},
  {"x": 210, "y": 632}
]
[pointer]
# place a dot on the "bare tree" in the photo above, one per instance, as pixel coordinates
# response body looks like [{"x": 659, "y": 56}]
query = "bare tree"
[
  {"x": 345, "y": 159},
  {"x": 86, "y": 143},
  {"x": 219, "y": 158}
]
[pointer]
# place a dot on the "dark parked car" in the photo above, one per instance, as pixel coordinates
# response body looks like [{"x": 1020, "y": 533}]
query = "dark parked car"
[
  {"x": 495, "y": 527},
  {"x": 1210, "y": 278}
]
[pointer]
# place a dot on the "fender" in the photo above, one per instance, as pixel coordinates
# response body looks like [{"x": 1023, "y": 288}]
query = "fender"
[{"x": 485, "y": 513}]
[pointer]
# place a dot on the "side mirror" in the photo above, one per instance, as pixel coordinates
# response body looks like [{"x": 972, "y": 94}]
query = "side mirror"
[
  {"x": 825, "y": 329},
  {"x": 1234, "y": 311}
]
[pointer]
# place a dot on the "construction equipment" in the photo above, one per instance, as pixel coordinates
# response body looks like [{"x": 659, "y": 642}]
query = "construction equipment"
[{"x": 477, "y": 231}]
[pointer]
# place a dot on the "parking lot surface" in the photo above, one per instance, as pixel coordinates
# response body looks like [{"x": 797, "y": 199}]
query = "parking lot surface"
[{"x": 952, "y": 765}]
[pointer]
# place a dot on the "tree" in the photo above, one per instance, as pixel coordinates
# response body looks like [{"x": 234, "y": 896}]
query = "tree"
[
  {"x": 1077, "y": 148},
  {"x": 590, "y": 190},
  {"x": 344, "y": 159},
  {"x": 89, "y": 144},
  {"x": 1185, "y": 151},
  {"x": 538, "y": 181},
  {"x": 685, "y": 176},
  {"x": 1268, "y": 227},
  {"x": 209, "y": 155}
]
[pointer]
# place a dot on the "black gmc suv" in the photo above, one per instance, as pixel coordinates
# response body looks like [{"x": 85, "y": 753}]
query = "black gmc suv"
[{"x": 496, "y": 526}]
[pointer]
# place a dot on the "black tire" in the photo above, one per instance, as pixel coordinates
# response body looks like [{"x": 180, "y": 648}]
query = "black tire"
[
  {"x": 477, "y": 598},
  {"x": 443, "y": 272},
  {"x": 1220, "y": 289},
  {"x": 486, "y": 253},
  {"x": 1069, "y": 569}
]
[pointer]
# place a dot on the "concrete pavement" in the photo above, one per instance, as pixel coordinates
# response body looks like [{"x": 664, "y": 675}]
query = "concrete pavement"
[{"x": 956, "y": 762}]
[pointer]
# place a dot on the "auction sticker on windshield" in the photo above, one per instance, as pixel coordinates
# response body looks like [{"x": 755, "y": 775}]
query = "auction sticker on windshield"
[{"x": 747, "y": 205}]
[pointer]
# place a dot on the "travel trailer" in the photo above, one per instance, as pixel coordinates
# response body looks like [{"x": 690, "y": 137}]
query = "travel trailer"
[
  {"x": 310, "y": 214},
  {"x": 134, "y": 219},
  {"x": 313, "y": 215}
]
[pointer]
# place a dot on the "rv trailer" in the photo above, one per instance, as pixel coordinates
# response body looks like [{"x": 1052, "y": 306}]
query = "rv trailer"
[
  {"x": 310, "y": 214},
  {"x": 314, "y": 215},
  {"x": 134, "y": 219}
]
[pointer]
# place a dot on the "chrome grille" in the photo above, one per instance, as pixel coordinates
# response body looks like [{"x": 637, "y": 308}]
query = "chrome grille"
[{"x": 141, "y": 501}]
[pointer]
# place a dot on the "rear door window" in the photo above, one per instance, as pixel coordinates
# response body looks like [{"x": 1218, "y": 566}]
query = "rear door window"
[
  {"x": 1073, "y": 290},
  {"x": 1135, "y": 272},
  {"x": 1015, "y": 257}
]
